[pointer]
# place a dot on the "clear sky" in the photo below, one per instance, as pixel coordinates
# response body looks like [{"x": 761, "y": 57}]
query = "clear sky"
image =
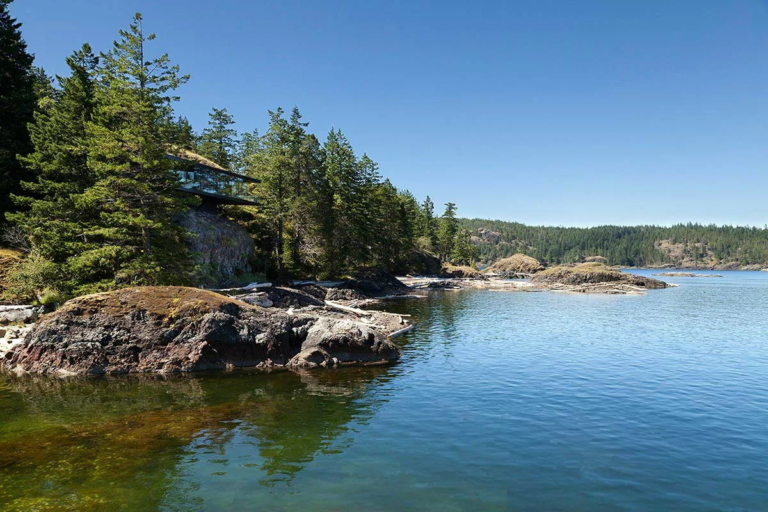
[{"x": 571, "y": 113}]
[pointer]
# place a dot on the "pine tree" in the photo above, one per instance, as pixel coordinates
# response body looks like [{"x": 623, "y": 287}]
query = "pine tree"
[
  {"x": 449, "y": 226},
  {"x": 17, "y": 104},
  {"x": 219, "y": 141},
  {"x": 134, "y": 192}
]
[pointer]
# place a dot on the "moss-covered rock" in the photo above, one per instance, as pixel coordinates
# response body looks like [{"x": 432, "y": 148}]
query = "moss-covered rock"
[{"x": 593, "y": 273}]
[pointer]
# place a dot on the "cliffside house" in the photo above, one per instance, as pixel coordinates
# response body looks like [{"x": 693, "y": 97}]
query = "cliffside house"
[{"x": 214, "y": 184}]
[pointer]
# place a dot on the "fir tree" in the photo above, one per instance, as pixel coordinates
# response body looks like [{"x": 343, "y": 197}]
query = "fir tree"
[
  {"x": 219, "y": 141},
  {"x": 427, "y": 224},
  {"x": 449, "y": 226},
  {"x": 464, "y": 251},
  {"x": 17, "y": 104},
  {"x": 51, "y": 219},
  {"x": 134, "y": 192},
  {"x": 179, "y": 134}
]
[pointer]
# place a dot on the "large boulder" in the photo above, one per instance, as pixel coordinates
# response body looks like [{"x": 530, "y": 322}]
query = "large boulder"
[{"x": 173, "y": 329}]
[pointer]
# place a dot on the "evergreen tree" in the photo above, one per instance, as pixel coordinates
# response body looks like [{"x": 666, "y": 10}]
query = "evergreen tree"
[
  {"x": 449, "y": 226},
  {"x": 51, "y": 219},
  {"x": 464, "y": 251},
  {"x": 427, "y": 223},
  {"x": 287, "y": 161},
  {"x": 219, "y": 141},
  {"x": 17, "y": 104},
  {"x": 248, "y": 145},
  {"x": 42, "y": 86},
  {"x": 349, "y": 183},
  {"x": 135, "y": 239},
  {"x": 179, "y": 134}
]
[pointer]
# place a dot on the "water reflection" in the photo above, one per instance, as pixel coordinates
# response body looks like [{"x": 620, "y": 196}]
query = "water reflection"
[{"x": 137, "y": 442}]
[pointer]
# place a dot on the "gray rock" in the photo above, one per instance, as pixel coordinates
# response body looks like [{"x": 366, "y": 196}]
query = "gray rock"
[{"x": 18, "y": 314}]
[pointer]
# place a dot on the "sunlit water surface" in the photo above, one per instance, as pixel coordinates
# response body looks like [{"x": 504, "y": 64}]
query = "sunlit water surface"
[{"x": 521, "y": 401}]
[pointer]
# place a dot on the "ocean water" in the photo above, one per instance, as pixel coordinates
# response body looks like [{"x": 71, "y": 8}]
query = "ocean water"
[{"x": 502, "y": 401}]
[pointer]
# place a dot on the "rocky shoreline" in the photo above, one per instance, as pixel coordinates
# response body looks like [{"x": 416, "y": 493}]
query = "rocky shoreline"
[
  {"x": 175, "y": 329},
  {"x": 304, "y": 324}
]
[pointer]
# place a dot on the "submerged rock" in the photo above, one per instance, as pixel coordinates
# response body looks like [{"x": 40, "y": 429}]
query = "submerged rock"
[{"x": 173, "y": 329}]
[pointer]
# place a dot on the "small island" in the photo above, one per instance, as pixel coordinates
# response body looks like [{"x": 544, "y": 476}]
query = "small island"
[{"x": 686, "y": 274}]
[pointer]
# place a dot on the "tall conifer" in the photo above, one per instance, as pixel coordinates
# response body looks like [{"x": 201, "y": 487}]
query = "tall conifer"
[
  {"x": 17, "y": 104},
  {"x": 137, "y": 241}
]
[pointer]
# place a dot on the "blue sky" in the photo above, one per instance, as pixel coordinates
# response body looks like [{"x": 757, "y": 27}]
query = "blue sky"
[{"x": 571, "y": 113}]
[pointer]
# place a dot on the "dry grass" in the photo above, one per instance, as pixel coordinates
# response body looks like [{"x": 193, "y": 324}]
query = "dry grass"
[
  {"x": 517, "y": 264},
  {"x": 158, "y": 301},
  {"x": 194, "y": 157},
  {"x": 591, "y": 273}
]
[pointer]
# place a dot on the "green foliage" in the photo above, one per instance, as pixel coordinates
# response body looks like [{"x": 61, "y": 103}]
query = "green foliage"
[
  {"x": 449, "y": 227},
  {"x": 101, "y": 208},
  {"x": 100, "y": 196},
  {"x": 427, "y": 224},
  {"x": 34, "y": 279},
  {"x": 621, "y": 245},
  {"x": 17, "y": 104},
  {"x": 219, "y": 141},
  {"x": 134, "y": 240},
  {"x": 50, "y": 216},
  {"x": 464, "y": 251}
]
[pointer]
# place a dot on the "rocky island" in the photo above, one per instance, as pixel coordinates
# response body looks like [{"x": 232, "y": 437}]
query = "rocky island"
[
  {"x": 175, "y": 329},
  {"x": 590, "y": 277},
  {"x": 686, "y": 274}
]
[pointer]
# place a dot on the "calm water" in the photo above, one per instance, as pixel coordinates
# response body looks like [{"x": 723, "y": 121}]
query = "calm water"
[{"x": 521, "y": 401}]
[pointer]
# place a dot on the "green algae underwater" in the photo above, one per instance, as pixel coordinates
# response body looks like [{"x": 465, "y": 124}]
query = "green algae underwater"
[{"x": 119, "y": 443}]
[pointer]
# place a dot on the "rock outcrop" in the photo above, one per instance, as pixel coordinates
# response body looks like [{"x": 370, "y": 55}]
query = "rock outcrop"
[
  {"x": 221, "y": 248},
  {"x": 461, "y": 272},
  {"x": 176, "y": 329},
  {"x": 367, "y": 284},
  {"x": 516, "y": 264},
  {"x": 588, "y": 274}
]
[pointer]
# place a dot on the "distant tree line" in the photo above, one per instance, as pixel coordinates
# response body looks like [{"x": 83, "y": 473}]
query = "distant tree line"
[
  {"x": 89, "y": 193},
  {"x": 630, "y": 246}
]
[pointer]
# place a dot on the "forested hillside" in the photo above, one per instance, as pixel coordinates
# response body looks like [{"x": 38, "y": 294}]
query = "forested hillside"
[{"x": 686, "y": 245}]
